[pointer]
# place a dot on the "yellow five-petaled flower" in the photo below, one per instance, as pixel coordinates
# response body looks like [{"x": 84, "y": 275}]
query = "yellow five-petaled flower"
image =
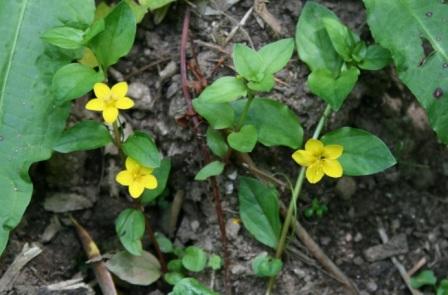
[
  {"x": 109, "y": 101},
  {"x": 137, "y": 178},
  {"x": 320, "y": 160}
]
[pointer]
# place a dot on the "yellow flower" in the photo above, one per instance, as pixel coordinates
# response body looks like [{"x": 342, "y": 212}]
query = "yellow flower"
[
  {"x": 137, "y": 178},
  {"x": 109, "y": 101},
  {"x": 319, "y": 160}
]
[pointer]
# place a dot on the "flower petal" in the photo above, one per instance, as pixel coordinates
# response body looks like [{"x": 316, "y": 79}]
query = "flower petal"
[
  {"x": 333, "y": 151},
  {"x": 314, "y": 173},
  {"x": 304, "y": 158},
  {"x": 332, "y": 168},
  {"x": 101, "y": 90},
  {"x": 124, "y": 103},
  {"x": 131, "y": 164},
  {"x": 124, "y": 177},
  {"x": 96, "y": 104},
  {"x": 136, "y": 189},
  {"x": 149, "y": 181},
  {"x": 314, "y": 146},
  {"x": 119, "y": 89},
  {"x": 110, "y": 114}
]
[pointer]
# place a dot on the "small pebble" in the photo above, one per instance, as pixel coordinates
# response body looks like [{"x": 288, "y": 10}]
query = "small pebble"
[{"x": 358, "y": 237}]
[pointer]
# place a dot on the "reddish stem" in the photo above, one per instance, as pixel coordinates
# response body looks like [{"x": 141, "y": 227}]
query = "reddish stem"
[
  {"x": 154, "y": 242},
  {"x": 206, "y": 154}
]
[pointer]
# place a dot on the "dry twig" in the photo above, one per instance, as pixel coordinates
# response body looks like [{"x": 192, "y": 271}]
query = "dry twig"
[
  {"x": 401, "y": 269},
  {"x": 26, "y": 255}
]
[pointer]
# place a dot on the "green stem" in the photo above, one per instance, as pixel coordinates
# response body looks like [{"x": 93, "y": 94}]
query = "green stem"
[
  {"x": 250, "y": 98},
  {"x": 292, "y": 204}
]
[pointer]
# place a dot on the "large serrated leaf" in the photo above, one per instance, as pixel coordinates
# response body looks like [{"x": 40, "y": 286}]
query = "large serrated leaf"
[
  {"x": 30, "y": 121},
  {"x": 405, "y": 27}
]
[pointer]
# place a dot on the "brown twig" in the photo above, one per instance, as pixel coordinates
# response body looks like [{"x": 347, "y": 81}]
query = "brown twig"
[
  {"x": 102, "y": 274},
  {"x": 263, "y": 12},
  {"x": 401, "y": 269},
  {"x": 247, "y": 162},
  {"x": 206, "y": 154},
  {"x": 417, "y": 266},
  {"x": 146, "y": 67}
]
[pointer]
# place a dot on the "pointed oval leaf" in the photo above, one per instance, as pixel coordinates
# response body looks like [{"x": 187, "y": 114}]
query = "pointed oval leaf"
[
  {"x": 162, "y": 174},
  {"x": 363, "y": 154},
  {"x": 85, "y": 135},
  {"x": 211, "y": 169},
  {"x": 313, "y": 43},
  {"x": 130, "y": 227},
  {"x": 276, "y": 55},
  {"x": 248, "y": 63},
  {"x": 225, "y": 89},
  {"x": 118, "y": 36},
  {"x": 141, "y": 147},
  {"x": 333, "y": 89},
  {"x": 276, "y": 124},
  {"x": 190, "y": 286},
  {"x": 259, "y": 210},
  {"x": 216, "y": 142},
  {"x": 137, "y": 270},
  {"x": 73, "y": 81},
  {"x": 218, "y": 115},
  {"x": 64, "y": 37}
]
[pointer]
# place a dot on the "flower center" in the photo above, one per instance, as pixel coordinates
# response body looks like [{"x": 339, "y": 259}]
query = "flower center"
[
  {"x": 110, "y": 100},
  {"x": 137, "y": 174}
]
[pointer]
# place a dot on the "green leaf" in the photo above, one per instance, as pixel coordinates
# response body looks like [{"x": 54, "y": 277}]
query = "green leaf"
[
  {"x": 259, "y": 210},
  {"x": 211, "y": 169},
  {"x": 248, "y": 63},
  {"x": 164, "y": 243},
  {"x": 363, "y": 154},
  {"x": 225, "y": 89},
  {"x": 424, "y": 278},
  {"x": 243, "y": 140},
  {"x": 218, "y": 115},
  {"x": 96, "y": 28},
  {"x": 216, "y": 142},
  {"x": 443, "y": 288},
  {"x": 190, "y": 286},
  {"x": 214, "y": 262},
  {"x": 155, "y": 4},
  {"x": 162, "y": 174},
  {"x": 130, "y": 228},
  {"x": 73, "y": 81},
  {"x": 417, "y": 24},
  {"x": 64, "y": 37},
  {"x": 85, "y": 135},
  {"x": 118, "y": 36},
  {"x": 265, "y": 266},
  {"x": 313, "y": 43},
  {"x": 276, "y": 124},
  {"x": 265, "y": 85},
  {"x": 137, "y": 270},
  {"x": 376, "y": 58},
  {"x": 175, "y": 265},
  {"x": 173, "y": 278},
  {"x": 31, "y": 121},
  {"x": 276, "y": 55},
  {"x": 194, "y": 259},
  {"x": 141, "y": 147},
  {"x": 341, "y": 37},
  {"x": 333, "y": 90}
]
